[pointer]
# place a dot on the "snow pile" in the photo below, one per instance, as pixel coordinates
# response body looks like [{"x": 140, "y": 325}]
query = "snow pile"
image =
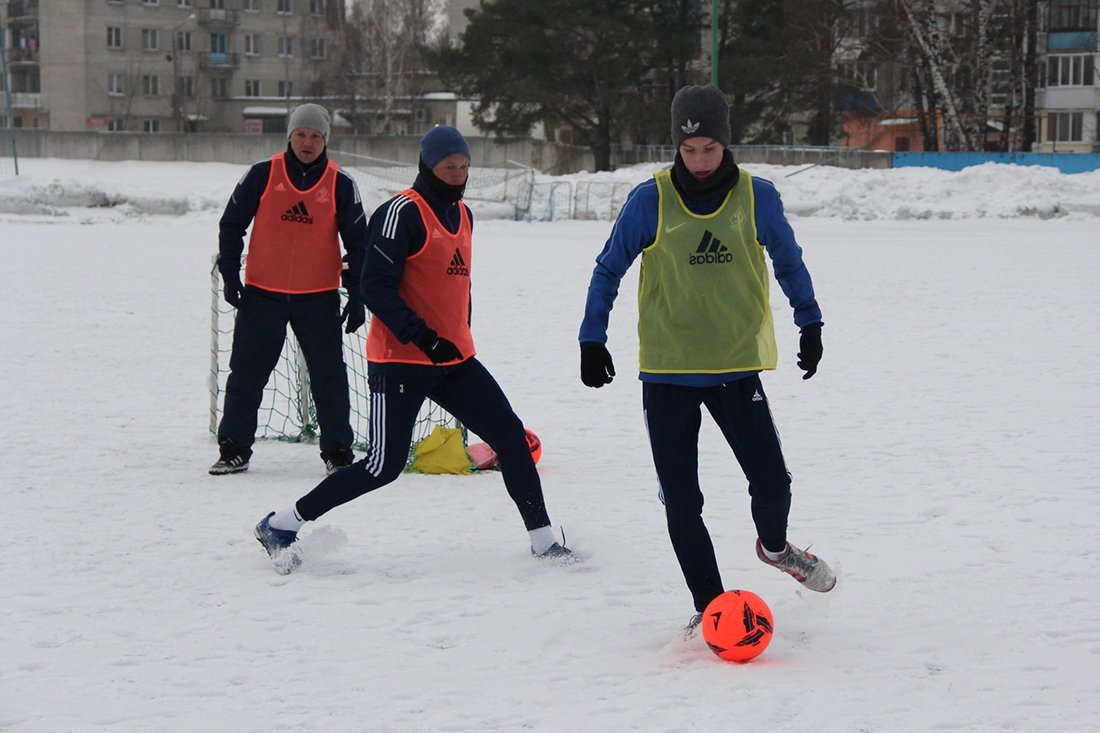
[{"x": 59, "y": 188}]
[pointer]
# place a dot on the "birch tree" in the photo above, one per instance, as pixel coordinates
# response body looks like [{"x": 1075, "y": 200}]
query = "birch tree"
[{"x": 935, "y": 55}]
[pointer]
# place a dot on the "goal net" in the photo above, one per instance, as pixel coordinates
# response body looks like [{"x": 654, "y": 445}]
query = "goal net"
[{"x": 287, "y": 412}]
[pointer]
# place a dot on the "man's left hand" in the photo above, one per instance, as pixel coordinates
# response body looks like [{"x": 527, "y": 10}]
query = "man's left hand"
[
  {"x": 809, "y": 350},
  {"x": 355, "y": 314}
]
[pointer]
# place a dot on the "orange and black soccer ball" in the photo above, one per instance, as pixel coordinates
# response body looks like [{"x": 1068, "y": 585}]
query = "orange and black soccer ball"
[
  {"x": 534, "y": 445},
  {"x": 737, "y": 625}
]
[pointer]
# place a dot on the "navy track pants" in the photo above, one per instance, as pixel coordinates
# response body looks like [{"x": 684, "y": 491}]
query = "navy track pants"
[
  {"x": 468, "y": 392},
  {"x": 740, "y": 408},
  {"x": 258, "y": 337}
]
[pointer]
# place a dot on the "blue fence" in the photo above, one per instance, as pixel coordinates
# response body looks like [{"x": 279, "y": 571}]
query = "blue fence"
[{"x": 1065, "y": 162}]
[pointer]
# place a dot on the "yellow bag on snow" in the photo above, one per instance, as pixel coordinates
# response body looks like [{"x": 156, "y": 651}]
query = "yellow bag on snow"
[{"x": 444, "y": 451}]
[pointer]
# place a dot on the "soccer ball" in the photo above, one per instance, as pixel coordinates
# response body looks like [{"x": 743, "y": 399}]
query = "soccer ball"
[
  {"x": 535, "y": 445},
  {"x": 737, "y": 625}
]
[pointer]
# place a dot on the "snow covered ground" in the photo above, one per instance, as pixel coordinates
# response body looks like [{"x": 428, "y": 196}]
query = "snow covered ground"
[{"x": 944, "y": 460}]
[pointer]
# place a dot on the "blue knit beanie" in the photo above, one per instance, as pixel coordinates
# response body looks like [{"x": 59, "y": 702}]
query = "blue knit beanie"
[{"x": 440, "y": 142}]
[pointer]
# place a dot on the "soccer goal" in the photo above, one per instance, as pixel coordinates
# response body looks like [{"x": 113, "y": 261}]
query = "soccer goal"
[{"x": 287, "y": 412}]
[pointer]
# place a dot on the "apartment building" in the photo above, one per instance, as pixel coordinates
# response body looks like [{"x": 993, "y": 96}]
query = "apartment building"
[
  {"x": 166, "y": 65},
  {"x": 1067, "y": 97}
]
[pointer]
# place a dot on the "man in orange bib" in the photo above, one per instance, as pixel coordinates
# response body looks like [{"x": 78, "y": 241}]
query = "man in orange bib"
[
  {"x": 300, "y": 206},
  {"x": 416, "y": 283}
]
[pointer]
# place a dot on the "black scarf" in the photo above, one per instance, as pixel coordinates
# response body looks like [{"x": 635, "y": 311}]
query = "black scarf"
[
  {"x": 716, "y": 185},
  {"x": 445, "y": 191}
]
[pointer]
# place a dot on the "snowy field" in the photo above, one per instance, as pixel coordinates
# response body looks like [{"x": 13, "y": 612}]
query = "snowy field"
[{"x": 944, "y": 462}]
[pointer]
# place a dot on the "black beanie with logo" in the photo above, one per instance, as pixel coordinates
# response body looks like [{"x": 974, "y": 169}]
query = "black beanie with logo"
[{"x": 700, "y": 111}]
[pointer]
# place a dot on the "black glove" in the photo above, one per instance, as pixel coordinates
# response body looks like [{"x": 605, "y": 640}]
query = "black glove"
[
  {"x": 438, "y": 349},
  {"x": 809, "y": 350},
  {"x": 597, "y": 368},
  {"x": 355, "y": 313},
  {"x": 234, "y": 289}
]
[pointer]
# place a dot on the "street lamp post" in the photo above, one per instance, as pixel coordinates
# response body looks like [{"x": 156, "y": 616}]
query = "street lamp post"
[{"x": 286, "y": 65}]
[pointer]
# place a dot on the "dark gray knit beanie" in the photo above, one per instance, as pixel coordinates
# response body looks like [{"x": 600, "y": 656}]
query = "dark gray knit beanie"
[{"x": 700, "y": 111}]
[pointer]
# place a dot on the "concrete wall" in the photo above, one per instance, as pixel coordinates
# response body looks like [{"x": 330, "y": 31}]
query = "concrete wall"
[{"x": 245, "y": 149}]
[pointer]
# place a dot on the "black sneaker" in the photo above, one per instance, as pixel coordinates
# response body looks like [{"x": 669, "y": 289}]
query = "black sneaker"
[
  {"x": 337, "y": 459},
  {"x": 233, "y": 460}
]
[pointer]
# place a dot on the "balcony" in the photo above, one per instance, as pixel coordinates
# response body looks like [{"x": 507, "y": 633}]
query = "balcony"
[
  {"x": 23, "y": 56},
  {"x": 1072, "y": 41},
  {"x": 219, "y": 61},
  {"x": 217, "y": 18},
  {"x": 26, "y": 100},
  {"x": 22, "y": 10}
]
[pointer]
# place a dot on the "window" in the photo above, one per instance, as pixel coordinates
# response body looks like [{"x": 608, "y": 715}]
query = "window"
[
  {"x": 219, "y": 88},
  {"x": 217, "y": 5},
  {"x": 116, "y": 124},
  {"x": 251, "y": 87},
  {"x": 150, "y": 2},
  {"x": 114, "y": 36},
  {"x": 183, "y": 3},
  {"x": 1064, "y": 127},
  {"x": 286, "y": 46},
  {"x": 860, "y": 74},
  {"x": 1072, "y": 15},
  {"x": 252, "y": 5},
  {"x": 284, "y": 7},
  {"x": 150, "y": 85},
  {"x": 183, "y": 41},
  {"x": 316, "y": 7},
  {"x": 1070, "y": 71},
  {"x": 150, "y": 125},
  {"x": 116, "y": 84},
  {"x": 286, "y": 89},
  {"x": 999, "y": 81},
  {"x": 317, "y": 48},
  {"x": 150, "y": 39},
  {"x": 186, "y": 86},
  {"x": 252, "y": 44},
  {"x": 219, "y": 43}
]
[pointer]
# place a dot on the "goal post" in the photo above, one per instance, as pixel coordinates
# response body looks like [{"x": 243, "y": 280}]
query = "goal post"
[{"x": 287, "y": 411}]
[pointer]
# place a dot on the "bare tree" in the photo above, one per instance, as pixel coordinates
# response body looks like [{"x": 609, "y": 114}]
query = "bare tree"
[
  {"x": 381, "y": 60},
  {"x": 936, "y": 58}
]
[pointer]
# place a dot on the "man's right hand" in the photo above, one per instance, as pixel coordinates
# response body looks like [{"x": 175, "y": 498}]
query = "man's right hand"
[
  {"x": 234, "y": 289},
  {"x": 438, "y": 349},
  {"x": 597, "y": 369}
]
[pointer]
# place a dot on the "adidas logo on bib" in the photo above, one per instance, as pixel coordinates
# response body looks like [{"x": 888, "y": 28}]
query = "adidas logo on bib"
[
  {"x": 711, "y": 251},
  {"x": 458, "y": 265},
  {"x": 298, "y": 213}
]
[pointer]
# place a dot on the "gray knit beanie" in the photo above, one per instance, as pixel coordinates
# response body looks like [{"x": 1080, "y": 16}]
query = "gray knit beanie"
[
  {"x": 313, "y": 116},
  {"x": 700, "y": 111}
]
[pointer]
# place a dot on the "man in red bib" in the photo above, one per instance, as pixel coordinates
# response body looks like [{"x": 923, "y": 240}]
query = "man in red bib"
[
  {"x": 300, "y": 206},
  {"x": 416, "y": 282}
]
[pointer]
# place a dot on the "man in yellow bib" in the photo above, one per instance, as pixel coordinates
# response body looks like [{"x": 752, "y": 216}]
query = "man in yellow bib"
[{"x": 705, "y": 331}]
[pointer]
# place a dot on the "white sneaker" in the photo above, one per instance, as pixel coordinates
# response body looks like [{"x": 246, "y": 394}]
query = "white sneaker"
[
  {"x": 808, "y": 569},
  {"x": 692, "y": 629}
]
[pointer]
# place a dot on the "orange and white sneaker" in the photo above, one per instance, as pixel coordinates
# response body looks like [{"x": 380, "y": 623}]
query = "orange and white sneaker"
[{"x": 807, "y": 568}]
